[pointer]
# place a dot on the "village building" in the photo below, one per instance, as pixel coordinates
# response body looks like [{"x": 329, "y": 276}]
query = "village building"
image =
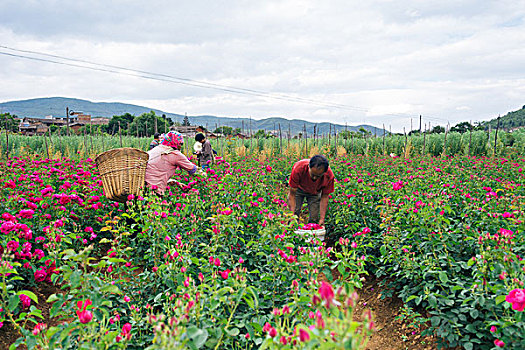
[{"x": 39, "y": 126}]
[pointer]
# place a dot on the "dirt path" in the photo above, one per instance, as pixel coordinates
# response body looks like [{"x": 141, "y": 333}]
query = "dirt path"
[{"x": 391, "y": 333}]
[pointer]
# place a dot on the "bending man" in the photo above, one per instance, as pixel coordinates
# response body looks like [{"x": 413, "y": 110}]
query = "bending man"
[{"x": 311, "y": 179}]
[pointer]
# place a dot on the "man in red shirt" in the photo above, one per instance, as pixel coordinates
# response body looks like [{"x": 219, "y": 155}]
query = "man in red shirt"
[{"x": 311, "y": 179}]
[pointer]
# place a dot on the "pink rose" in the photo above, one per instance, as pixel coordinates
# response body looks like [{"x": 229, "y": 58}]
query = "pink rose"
[
  {"x": 304, "y": 336},
  {"x": 224, "y": 274},
  {"x": 84, "y": 316},
  {"x": 327, "y": 293},
  {"x": 499, "y": 343},
  {"x": 26, "y": 301},
  {"x": 40, "y": 275},
  {"x": 12, "y": 245},
  {"x": 517, "y": 298}
]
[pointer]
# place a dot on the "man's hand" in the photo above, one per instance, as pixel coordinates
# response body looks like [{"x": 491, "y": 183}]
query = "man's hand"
[{"x": 323, "y": 207}]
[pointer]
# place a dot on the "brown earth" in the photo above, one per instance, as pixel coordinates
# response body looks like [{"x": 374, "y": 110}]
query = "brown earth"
[
  {"x": 391, "y": 332},
  {"x": 8, "y": 334}
]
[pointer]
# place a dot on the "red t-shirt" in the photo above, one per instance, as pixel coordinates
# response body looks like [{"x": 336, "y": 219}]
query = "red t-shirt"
[{"x": 300, "y": 178}]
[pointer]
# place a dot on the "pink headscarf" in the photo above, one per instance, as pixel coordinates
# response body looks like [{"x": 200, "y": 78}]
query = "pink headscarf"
[{"x": 173, "y": 139}]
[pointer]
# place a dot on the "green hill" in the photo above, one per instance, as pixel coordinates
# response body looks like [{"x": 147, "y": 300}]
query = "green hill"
[
  {"x": 56, "y": 106},
  {"x": 508, "y": 121}
]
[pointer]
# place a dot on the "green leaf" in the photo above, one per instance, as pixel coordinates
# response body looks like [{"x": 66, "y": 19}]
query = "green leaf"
[
  {"x": 443, "y": 277},
  {"x": 198, "y": 336},
  {"x": 51, "y": 331},
  {"x": 435, "y": 320},
  {"x": 249, "y": 301},
  {"x": 75, "y": 279},
  {"x": 500, "y": 299},
  {"x": 412, "y": 297},
  {"x": 14, "y": 300},
  {"x": 256, "y": 326},
  {"x": 432, "y": 300},
  {"x": 29, "y": 294},
  {"x": 52, "y": 298},
  {"x": 233, "y": 332},
  {"x": 470, "y": 327},
  {"x": 474, "y": 313},
  {"x": 110, "y": 288}
]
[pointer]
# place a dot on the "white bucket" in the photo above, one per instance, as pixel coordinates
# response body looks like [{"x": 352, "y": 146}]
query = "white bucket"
[{"x": 309, "y": 235}]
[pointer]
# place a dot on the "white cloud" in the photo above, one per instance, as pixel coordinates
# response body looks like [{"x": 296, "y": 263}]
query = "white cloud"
[{"x": 385, "y": 61}]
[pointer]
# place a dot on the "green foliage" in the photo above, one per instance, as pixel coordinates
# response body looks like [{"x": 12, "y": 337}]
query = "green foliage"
[
  {"x": 9, "y": 122},
  {"x": 144, "y": 125},
  {"x": 508, "y": 121}
]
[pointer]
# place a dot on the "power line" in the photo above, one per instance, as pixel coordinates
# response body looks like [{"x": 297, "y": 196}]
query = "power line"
[
  {"x": 174, "y": 79},
  {"x": 189, "y": 82}
]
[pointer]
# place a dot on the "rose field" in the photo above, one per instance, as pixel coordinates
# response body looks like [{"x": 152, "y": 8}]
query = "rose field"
[{"x": 218, "y": 264}]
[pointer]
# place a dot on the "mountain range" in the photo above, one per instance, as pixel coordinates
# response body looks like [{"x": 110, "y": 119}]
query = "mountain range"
[{"x": 56, "y": 106}]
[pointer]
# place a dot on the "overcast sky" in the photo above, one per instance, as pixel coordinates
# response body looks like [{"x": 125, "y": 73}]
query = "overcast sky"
[{"x": 356, "y": 62}]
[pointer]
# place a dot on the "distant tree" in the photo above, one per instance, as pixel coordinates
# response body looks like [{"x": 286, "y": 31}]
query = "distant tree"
[
  {"x": 225, "y": 130},
  {"x": 462, "y": 127},
  {"x": 125, "y": 120},
  {"x": 347, "y": 134},
  {"x": 145, "y": 123},
  {"x": 263, "y": 135},
  {"x": 186, "y": 121},
  {"x": 12, "y": 122},
  {"x": 438, "y": 129}
]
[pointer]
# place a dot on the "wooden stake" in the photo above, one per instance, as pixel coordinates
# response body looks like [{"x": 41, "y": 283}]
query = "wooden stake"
[
  {"x": 496, "y": 138},
  {"x": 120, "y": 134},
  {"x": 424, "y": 140},
  {"x": 470, "y": 138},
  {"x": 384, "y": 133},
  {"x": 7, "y": 138}
]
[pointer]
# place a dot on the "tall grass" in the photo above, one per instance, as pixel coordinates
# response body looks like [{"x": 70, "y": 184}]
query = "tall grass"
[{"x": 479, "y": 143}]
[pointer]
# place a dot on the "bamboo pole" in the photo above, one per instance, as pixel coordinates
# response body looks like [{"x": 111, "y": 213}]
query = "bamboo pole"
[
  {"x": 424, "y": 140},
  {"x": 384, "y": 133},
  {"x": 445, "y": 143},
  {"x": 7, "y": 138},
  {"x": 405, "y": 147},
  {"x": 305, "y": 141},
  {"x": 470, "y": 138},
  {"x": 496, "y": 138},
  {"x": 47, "y": 148},
  {"x": 280, "y": 139},
  {"x": 120, "y": 134}
]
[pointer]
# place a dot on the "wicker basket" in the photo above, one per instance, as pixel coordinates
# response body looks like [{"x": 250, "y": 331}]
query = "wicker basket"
[{"x": 122, "y": 171}]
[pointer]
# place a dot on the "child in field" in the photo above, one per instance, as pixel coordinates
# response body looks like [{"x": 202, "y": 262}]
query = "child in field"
[
  {"x": 206, "y": 155},
  {"x": 155, "y": 142}
]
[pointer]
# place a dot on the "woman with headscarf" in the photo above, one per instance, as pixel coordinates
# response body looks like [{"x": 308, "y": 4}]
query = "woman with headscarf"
[{"x": 164, "y": 160}]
